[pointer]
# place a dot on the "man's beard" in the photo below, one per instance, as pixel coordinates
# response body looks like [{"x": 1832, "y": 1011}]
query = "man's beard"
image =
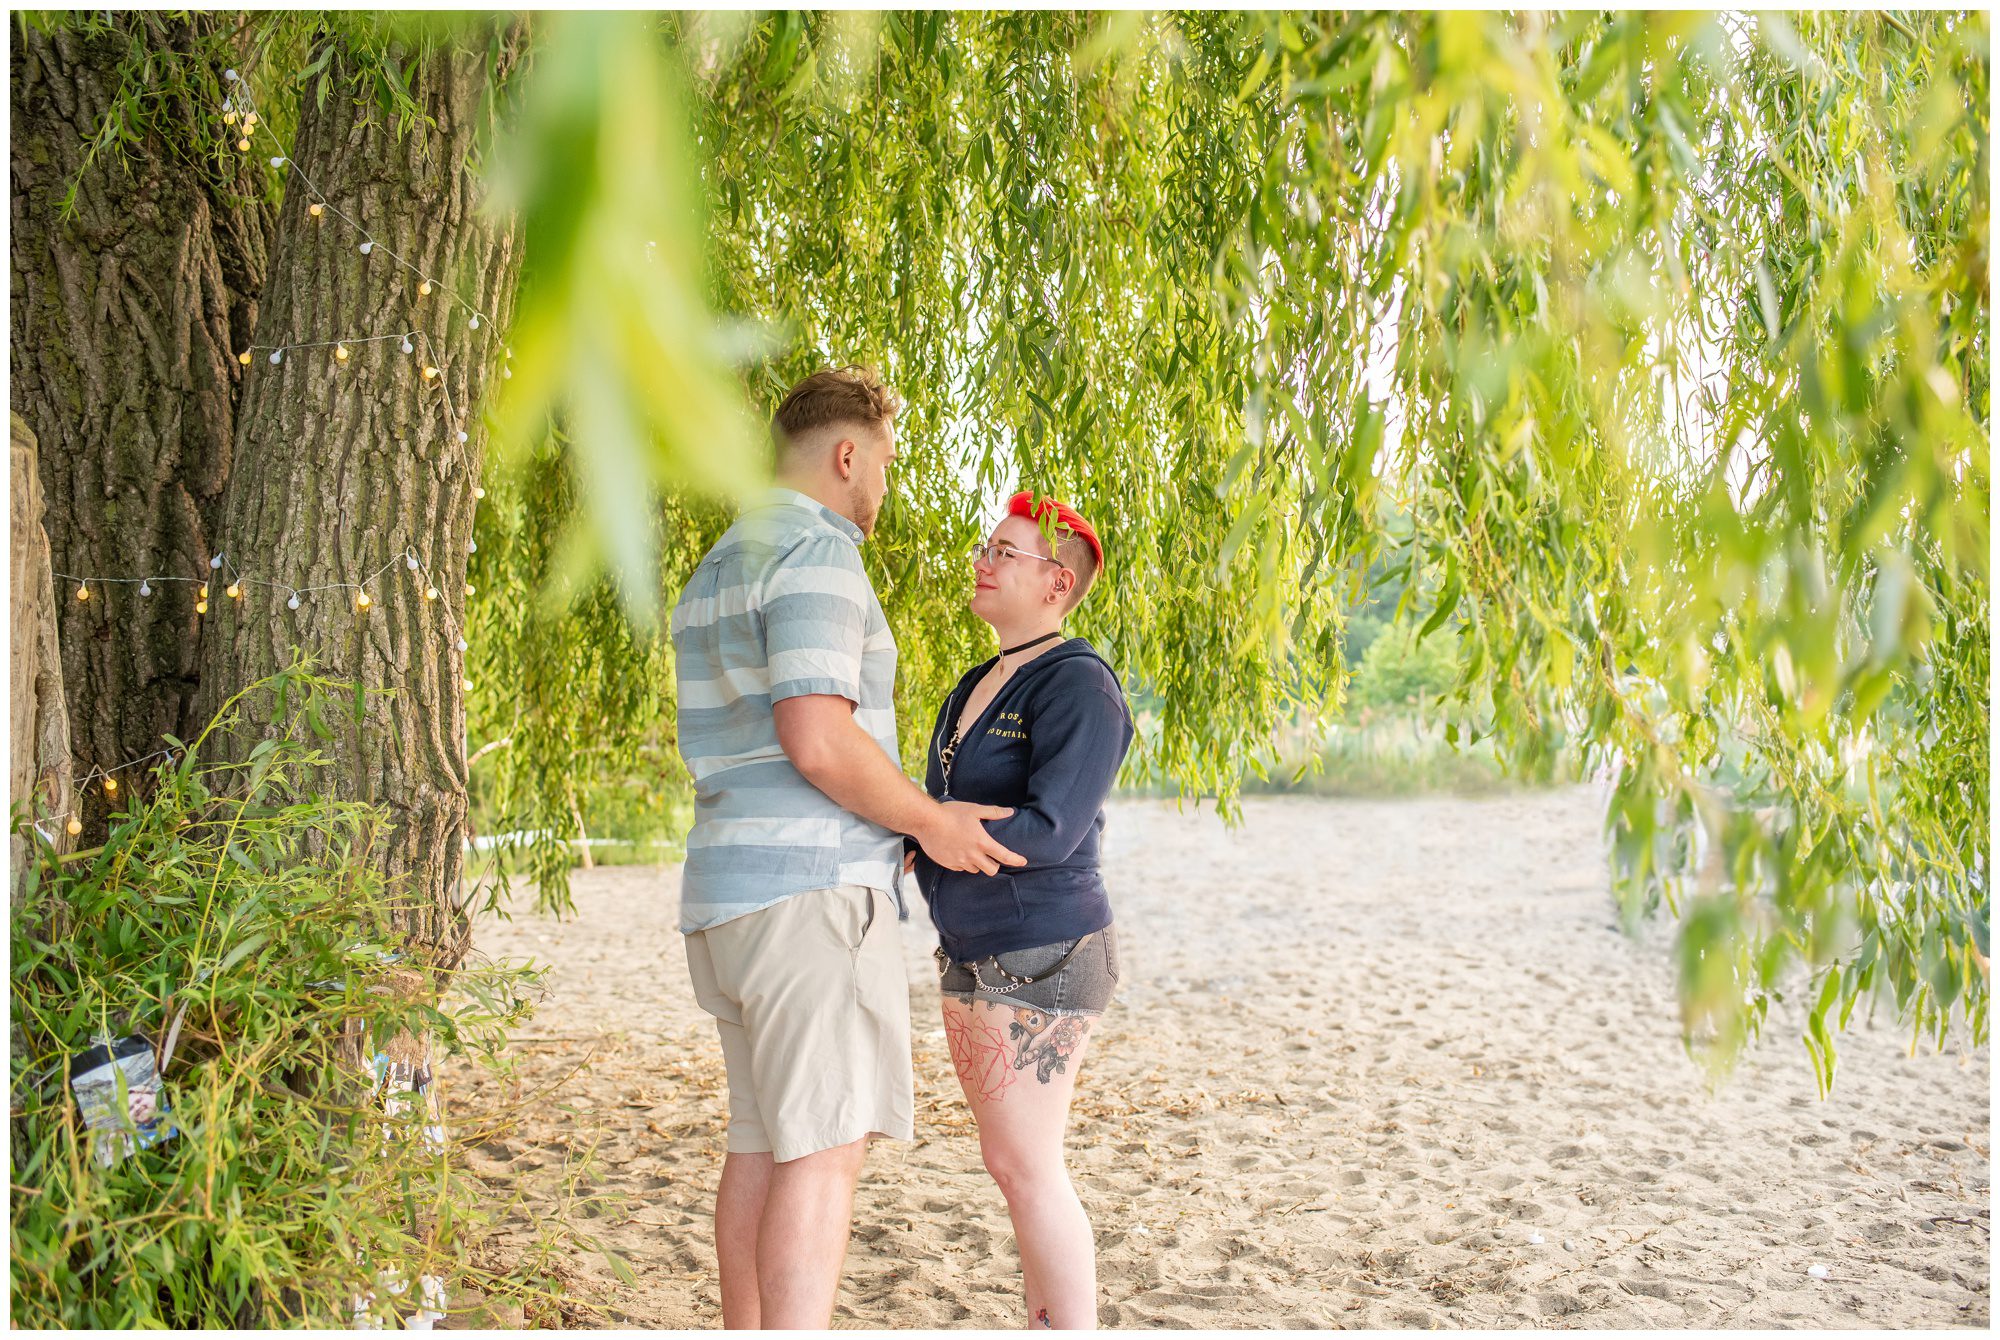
[{"x": 862, "y": 511}]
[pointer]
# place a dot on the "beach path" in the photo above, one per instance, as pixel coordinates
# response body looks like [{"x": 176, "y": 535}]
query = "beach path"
[{"x": 1378, "y": 1063}]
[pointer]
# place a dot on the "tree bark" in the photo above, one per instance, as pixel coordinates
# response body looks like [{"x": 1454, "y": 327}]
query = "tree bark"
[
  {"x": 39, "y": 776},
  {"x": 343, "y": 467},
  {"x": 127, "y": 314}
]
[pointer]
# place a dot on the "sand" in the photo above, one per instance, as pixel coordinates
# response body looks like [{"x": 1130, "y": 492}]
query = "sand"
[{"x": 1365, "y": 1052}]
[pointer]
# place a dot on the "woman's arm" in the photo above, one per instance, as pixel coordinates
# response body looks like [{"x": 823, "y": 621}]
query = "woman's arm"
[{"x": 1077, "y": 743}]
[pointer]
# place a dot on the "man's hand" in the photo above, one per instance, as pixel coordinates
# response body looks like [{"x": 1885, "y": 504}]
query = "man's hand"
[{"x": 956, "y": 838}]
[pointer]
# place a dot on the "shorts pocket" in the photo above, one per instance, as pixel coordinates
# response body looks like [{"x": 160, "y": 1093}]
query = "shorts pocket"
[
  {"x": 1110, "y": 952},
  {"x": 1034, "y": 962},
  {"x": 867, "y": 920}
]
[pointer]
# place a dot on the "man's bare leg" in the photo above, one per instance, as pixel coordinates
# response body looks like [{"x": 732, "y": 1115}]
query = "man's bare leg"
[
  {"x": 802, "y": 1237},
  {"x": 739, "y": 1209}
]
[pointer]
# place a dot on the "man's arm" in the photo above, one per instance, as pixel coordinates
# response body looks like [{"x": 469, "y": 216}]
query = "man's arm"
[{"x": 820, "y": 736}]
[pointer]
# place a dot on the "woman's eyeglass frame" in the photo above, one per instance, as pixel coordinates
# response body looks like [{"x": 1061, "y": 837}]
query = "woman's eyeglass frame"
[{"x": 989, "y": 551}]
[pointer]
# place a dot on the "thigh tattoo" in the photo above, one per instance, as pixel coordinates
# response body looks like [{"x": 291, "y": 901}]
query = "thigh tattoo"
[{"x": 987, "y": 1061}]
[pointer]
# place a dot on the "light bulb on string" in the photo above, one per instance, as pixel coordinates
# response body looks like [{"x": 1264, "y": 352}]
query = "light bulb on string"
[
  {"x": 293, "y": 603},
  {"x": 362, "y": 601},
  {"x": 430, "y": 593},
  {"x": 279, "y": 161},
  {"x": 110, "y": 786},
  {"x": 340, "y": 353},
  {"x": 474, "y": 323},
  {"x": 461, "y": 644},
  {"x": 472, "y": 546},
  {"x": 83, "y": 591},
  {"x": 507, "y": 373},
  {"x": 408, "y": 348},
  {"x": 410, "y": 561},
  {"x": 201, "y": 607},
  {"x": 145, "y": 588},
  {"x": 468, "y": 588},
  {"x": 214, "y": 562},
  {"x": 430, "y": 374},
  {"x": 316, "y": 209},
  {"x": 424, "y": 289},
  {"x": 234, "y": 591},
  {"x": 243, "y": 146},
  {"x": 478, "y": 492},
  {"x": 249, "y": 120},
  {"x": 203, "y": 593},
  {"x": 229, "y": 118},
  {"x": 465, "y": 684},
  {"x": 229, "y": 76},
  {"x": 277, "y": 355},
  {"x": 367, "y": 247},
  {"x": 461, "y": 435},
  {"x": 244, "y": 358},
  {"x": 74, "y": 826}
]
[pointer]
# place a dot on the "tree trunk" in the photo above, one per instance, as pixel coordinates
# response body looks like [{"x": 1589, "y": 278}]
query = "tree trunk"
[
  {"x": 39, "y": 779},
  {"x": 344, "y": 467},
  {"x": 126, "y": 316}
]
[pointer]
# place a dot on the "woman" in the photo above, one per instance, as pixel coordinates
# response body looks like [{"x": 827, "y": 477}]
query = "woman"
[{"x": 1027, "y": 957}]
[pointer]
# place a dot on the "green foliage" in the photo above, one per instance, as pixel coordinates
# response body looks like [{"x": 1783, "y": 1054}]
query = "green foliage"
[
  {"x": 1666, "y": 332},
  {"x": 236, "y": 910},
  {"x": 1400, "y": 671}
]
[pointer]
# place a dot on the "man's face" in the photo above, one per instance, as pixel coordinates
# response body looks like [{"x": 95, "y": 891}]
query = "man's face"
[{"x": 868, "y": 477}]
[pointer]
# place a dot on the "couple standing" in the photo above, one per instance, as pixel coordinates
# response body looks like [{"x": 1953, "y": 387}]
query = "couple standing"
[{"x": 805, "y": 826}]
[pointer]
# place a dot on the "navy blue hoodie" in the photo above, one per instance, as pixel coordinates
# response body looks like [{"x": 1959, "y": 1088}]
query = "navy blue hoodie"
[{"x": 1049, "y": 745}]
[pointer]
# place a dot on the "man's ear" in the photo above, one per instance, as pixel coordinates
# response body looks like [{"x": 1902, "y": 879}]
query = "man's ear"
[{"x": 843, "y": 457}]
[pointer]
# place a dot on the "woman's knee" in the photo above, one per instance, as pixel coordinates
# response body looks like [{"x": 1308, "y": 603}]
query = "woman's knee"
[{"x": 1022, "y": 1172}]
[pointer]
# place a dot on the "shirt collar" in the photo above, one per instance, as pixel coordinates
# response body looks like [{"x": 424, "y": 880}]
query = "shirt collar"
[{"x": 777, "y": 495}]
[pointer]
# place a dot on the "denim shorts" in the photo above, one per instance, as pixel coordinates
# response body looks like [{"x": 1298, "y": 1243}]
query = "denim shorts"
[{"x": 1083, "y": 986}]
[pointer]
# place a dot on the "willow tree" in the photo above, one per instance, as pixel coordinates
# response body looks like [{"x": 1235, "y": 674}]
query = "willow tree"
[
  {"x": 137, "y": 262},
  {"x": 260, "y": 305},
  {"x": 1666, "y": 333}
]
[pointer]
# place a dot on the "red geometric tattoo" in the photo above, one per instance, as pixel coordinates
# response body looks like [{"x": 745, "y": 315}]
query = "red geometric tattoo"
[{"x": 979, "y": 1054}]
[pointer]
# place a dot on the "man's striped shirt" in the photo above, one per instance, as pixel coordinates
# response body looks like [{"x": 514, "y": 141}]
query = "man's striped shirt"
[{"x": 780, "y": 607}]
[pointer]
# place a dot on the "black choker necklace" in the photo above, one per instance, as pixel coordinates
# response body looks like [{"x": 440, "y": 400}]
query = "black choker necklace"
[{"x": 1009, "y": 651}]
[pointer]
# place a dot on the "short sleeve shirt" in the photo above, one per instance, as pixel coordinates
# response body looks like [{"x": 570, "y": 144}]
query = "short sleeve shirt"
[{"x": 779, "y": 608}]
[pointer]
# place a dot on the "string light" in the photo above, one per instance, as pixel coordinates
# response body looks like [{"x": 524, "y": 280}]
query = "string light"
[{"x": 236, "y": 112}]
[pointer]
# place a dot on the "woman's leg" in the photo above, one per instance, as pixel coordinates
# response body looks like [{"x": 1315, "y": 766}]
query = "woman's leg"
[{"x": 1018, "y": 1068}]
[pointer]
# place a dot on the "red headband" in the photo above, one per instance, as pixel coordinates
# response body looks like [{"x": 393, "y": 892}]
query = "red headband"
[{"x": 1024, "y": 504}]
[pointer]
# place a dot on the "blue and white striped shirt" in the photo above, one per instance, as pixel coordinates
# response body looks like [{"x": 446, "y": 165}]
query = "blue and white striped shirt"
[{"x": 780, "y": 607}]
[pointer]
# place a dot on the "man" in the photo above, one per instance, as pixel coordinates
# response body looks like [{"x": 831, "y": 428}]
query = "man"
[{"x": 785, "y": 668}]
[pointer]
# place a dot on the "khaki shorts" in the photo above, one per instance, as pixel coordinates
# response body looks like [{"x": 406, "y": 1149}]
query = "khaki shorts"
[{"x": 814, "y": 1012}]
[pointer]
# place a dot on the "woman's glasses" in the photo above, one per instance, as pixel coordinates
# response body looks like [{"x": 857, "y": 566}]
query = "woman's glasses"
[{"x": 993, "y": 553}]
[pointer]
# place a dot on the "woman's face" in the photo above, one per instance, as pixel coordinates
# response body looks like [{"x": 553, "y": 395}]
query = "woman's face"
[{"x": 1016, "y": 589}]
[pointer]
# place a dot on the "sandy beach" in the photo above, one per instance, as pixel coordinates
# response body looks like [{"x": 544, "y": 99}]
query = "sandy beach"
[{"x": 1374, "y": 1063}]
